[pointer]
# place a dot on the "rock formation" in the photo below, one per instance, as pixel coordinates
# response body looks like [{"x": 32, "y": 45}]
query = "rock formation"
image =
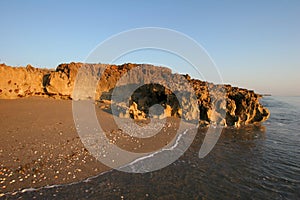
[
  {"x": 238, "y": 107},
  {"x": 18, "y": 82}
]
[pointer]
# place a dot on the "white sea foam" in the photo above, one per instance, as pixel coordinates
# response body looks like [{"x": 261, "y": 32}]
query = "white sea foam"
[
  {"x": 98, "y": 175},
  {"x": 157, "y": 152},
  {"x": 56, "y": 186}
]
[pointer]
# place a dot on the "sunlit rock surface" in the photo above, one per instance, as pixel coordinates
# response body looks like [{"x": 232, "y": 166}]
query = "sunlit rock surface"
[{"x": 159, "y": 93}]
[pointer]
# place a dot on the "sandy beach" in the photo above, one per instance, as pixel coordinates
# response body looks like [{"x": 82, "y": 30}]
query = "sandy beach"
[{"x": 39, "y": 144}]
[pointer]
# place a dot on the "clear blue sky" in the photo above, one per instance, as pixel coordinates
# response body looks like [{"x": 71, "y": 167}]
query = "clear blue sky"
[{"x": 255, "y": 44}]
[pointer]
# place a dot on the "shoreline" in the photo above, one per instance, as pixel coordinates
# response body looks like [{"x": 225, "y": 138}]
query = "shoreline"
[{"x": 40, "y": 145}]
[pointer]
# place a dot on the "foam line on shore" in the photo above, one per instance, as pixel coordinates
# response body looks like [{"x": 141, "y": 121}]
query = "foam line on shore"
[
  {"x": 56, "y": 185},
  {"x": 98, "y": 175},
  {"x": 157, "y": 152}
]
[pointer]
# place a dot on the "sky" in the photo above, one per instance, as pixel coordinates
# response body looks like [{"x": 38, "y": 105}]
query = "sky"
[{"x": 254, "y": 44}]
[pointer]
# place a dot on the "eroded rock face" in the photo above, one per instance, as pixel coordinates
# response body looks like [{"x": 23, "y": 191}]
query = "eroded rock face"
[
  {"x": 238, "y": 107},
  {"x": 215, "y": 104},
  {"x": 18, "y": 82},
  {"x": 243, "y": 107}
]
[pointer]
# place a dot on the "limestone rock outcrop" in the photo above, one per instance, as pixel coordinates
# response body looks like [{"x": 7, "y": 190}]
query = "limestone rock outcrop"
[
  {"x": 16, "y": 82},
  {"x": 156, "y": 97}
]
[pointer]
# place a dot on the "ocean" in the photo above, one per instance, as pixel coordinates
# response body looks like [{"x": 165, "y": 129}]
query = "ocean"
[{"x": 257, "y": 162}]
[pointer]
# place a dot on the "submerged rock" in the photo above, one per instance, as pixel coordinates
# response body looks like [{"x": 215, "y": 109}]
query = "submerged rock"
[{"x": 152, "y": 97}]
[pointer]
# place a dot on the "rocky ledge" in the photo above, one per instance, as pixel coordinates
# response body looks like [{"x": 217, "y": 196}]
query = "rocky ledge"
[{"x": 236, "y": 107}]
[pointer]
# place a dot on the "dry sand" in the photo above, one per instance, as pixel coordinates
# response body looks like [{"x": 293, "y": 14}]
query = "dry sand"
[{"x": 39, "y": 144}]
